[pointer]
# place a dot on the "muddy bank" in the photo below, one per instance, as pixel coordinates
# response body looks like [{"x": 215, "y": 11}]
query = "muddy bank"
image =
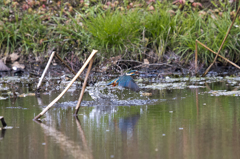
[{"x": 16, "y": 65}]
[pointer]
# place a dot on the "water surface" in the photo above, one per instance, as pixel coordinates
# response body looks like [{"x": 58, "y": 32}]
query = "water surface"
[{"x": 182, "y": 123}]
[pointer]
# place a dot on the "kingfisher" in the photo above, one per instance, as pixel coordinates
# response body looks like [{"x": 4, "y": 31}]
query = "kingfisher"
[{"x": 126, "y": 81}]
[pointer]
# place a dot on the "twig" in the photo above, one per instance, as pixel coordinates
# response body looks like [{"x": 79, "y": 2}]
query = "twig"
[
  {"x": 83, "y": 87},
  {"x": 216, "y": 54},
  {"x": 45, "y": 70},
  {"x": 222, "y": 43},
  {"x": 68, "y": 66},
  {"x": 119, "y": 68},
  {"x": 68, "y": 86},
  {"x": 34, "y": 74},
  {"x": 153, "y": 64},
  {"x": 130, "y": 61},
  {"x": 72, "y": 64}
]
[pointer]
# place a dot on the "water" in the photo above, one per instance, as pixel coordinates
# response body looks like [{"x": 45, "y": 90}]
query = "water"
[{"x": 182, "y": 123}]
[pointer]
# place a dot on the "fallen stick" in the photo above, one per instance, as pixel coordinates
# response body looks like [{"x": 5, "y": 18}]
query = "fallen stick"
[
  {"x": 69, "y": 68},
  {"x": 83, "y": 87},
  {"x": 204, "y": 74},
  {"x": 68, "y": 86},
  {"x": 45, "y": 70},
  {"x": 3, "y": 121}
]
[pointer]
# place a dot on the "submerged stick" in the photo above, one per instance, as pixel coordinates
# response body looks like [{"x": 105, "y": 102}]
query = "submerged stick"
[
  {"x": 68, "y": 86},
  {"x": 69, "y": 68},
  {"x": 3, "y": 121},
  {"x": 204, "y": 74},
  {"x": 45, "y": 70},
  {"x": 218, "y": 55},
  {"x": 83, "y": 87}
]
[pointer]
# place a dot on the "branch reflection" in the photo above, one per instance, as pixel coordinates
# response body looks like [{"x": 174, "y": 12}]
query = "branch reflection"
[{"x": 70, "y": 147}]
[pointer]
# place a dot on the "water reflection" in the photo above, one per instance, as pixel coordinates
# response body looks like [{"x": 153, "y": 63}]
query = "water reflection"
[
  {"x": 68, "y": 146},
  {"x": 3, "y": 131},
  {"x": 129, "y": 136},
  {"x": 183, "y": 123},
  {"x": 84, "y": 141},
  {"x": 127, "y": 124}
]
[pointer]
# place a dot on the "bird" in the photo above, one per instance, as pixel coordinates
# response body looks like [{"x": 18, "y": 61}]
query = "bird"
[{"x": 126, "y": 81}]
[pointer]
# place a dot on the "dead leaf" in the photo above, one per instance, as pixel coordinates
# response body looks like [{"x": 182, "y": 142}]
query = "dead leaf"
[
  {"x": 115, "y": 59},
  {"x": 146, "y": 94},
  {"x": 18, "y": 65},
  {"x": 145, "y": 61},
  {"x": 14, "y": 57}
]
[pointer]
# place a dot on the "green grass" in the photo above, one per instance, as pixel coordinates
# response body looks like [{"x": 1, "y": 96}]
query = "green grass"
[
  {"x": 129, "y": 33},
  {"x": 113, "y": 32},
  {"x": 210, "y": 32},
  {"x": 159, "y": 27}
]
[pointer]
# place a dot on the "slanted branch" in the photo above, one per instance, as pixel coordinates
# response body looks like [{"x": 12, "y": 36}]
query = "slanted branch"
[
  {"x": 45, "y": 70},
  {"x": 83, "y": 87},
  {"x": 48, "y": 64},
  {"x": 68, "y": 86}
]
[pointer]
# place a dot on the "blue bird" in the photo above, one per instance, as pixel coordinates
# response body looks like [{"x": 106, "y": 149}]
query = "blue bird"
[{"x": 126, "y": 81}]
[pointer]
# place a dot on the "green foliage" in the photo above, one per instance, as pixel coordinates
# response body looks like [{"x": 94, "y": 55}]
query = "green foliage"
[
  {"x": 70, "y": 36},
  {"x": 113, "y": 30},
  {"x": 159, "y": 26},
  {"x": 32, "y": 30},
  {"x": 24, "y": 33},
  {"x": 120, "y": 31},
  {"x": 210, "y": 32}
]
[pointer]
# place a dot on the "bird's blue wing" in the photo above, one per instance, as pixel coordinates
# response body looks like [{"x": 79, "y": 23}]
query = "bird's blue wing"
[{"x": 128, "y": 82}]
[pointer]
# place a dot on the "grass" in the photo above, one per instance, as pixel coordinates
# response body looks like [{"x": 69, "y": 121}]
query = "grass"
[
  {"x": 210, "y": 32},
  {"x": 159, "y": 27},
  {"x": 127, "y": 32},
  {"x": 113, "y": 32},
  {"x": 25, "y": 34}
]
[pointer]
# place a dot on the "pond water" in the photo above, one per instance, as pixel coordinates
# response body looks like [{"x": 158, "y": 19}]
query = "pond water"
[{"x": 176, "y": 123}]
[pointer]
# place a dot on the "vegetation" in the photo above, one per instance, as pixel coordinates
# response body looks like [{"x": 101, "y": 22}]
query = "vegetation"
[{"x": 130, "y": 29}]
